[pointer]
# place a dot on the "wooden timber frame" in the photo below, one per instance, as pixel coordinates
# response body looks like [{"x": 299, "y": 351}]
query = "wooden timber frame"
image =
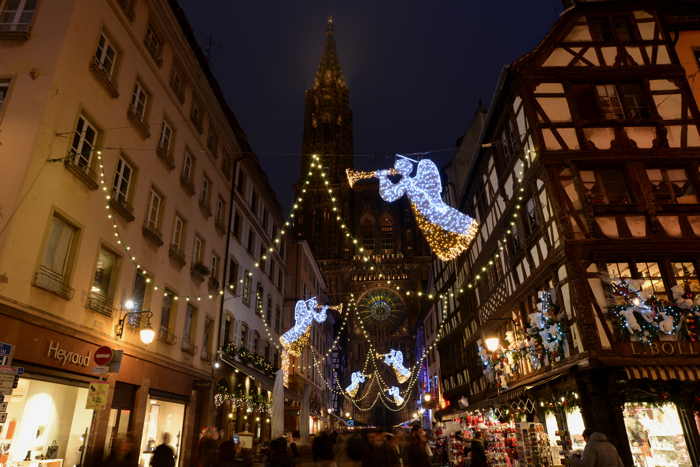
[{"x": 601, "y": 124}]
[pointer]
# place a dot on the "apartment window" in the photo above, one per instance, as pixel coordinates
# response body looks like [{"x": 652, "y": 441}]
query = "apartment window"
[
  {"x": 232, "y": 274},
  {"x": 122, "y": 182},
  {"x": 83, "y": 144},
  {"x": 256, "y": 342},
  {"x": 196, "y": 114},
  {"x": 213, "y": 141},
  {"x": 204, "y": 194},
  {"x": 16, "y": 15},
  {"x": 247, "y": 283},
  {"x": 57, "y": 256},
  {"x": 206, "y": 338},
  {"x": 220, "y": 211},
  {"x": 228, "y": 324},
  {"x": 188, "y": 330},
  {"x": 254, "y": 203},
  {"x": 166, "y": 137},
  {"x": 609, "y": 102},
  {"x": 105, "y": 55},
  {"x": 178, "y": 232},
  {"x": 686, "y": 275},
  {"x": 167, "y": 311},
  {"x": 178, "y": 82},
  {"x": 278, "y": 317},
  {"x": 625, "y": 101},
  {"x": 215, "y": 266},
  {"x": 155, "y": 202},
  {"x": 138, "y": 294},
  {"x": 671, "y": 186},
  {"x": 605, "y": 186},
  {"x": 105, "y": 272},
  {"x": 259, "y": 294},
  {"x": 241, "y": 183},
  {"x": 611, "y": 28},
  {"x": 4, "y": 88},
  {"x": 262, "y": 261},
  {"x": 139, "y": 101},
  {"x": 153, "y": 43},
  {"x": 236, "y": 228},
  {"x": 251, "y": 241},
  {"x": 268, "y": 311},
  {"x": 649, "y": 272},
  {"x": 197, "y": 250},
  {"x": 264, "y": 219},
  {"x": 244, "y": 335},
  {"x": 187, "y": 167},
  {"x": 531, "y": 222}
]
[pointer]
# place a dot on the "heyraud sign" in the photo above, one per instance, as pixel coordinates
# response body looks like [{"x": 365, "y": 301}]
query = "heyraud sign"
[{"x": 68, "y": 357}]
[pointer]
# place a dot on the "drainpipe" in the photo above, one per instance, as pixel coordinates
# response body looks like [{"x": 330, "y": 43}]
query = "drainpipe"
[{"x": 227, "y": 262}]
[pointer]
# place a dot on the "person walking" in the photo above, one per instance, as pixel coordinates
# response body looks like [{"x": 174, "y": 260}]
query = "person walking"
[
  {"x": 477, "y": 451},
  {"x": 278, "y": 455},
  {"x": 231, "y": 454},
  {"x": 599, "y": 452},
  {"x": 417, "y": 450},
  {"x": 163, "y": 455},
  {"x": 124, "y": 453}
]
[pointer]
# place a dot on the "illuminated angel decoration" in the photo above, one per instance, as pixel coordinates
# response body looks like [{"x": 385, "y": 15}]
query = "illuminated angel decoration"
[
  {"x": 395, "y": 360},
  {"x": 304, "y": 315},
  {"x": 356, "y": 378},
  {"x": 394, "y": 392},
  {"x": 447, "y": 231}
]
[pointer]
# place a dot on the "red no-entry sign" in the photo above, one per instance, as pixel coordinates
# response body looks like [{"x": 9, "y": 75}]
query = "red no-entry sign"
[{"x": 103, "y": 356}]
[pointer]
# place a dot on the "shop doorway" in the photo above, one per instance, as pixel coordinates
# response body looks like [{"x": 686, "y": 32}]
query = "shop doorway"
[
  {"x": 162, "y": 416},
  {"x": 120, "y": 420},
  {"x": 655, "y": 434}
]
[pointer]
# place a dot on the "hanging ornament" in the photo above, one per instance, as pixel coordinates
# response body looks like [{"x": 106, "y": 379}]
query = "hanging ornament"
[
  {"x": 356, "y": 379},
  {"x": 447, "y": 231},
  {"x": 396, "y": 394},
  {"x": 305, "y": 313},
  {"x": 395, "y": 360}
]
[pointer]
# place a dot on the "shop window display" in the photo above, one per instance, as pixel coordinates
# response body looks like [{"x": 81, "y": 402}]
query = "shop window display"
[
  {"x": 162, "y": 417},
  {"x": 574, "y": 423},
  {"x": 656, "y": 435},
  {"x": 47, "y": 423}
]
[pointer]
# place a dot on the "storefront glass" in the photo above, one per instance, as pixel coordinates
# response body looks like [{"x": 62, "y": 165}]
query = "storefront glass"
[
  {"x": 45, "y": 420},
  {"x": 656, "y": 435},
  {"x": 574, "y": 423},
  {"x": 162, "y": 417}
]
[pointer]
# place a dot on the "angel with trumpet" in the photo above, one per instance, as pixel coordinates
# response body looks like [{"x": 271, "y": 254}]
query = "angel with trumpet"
[
  {"x": 304, "y": 315},
  {"x": 447, "y": 231}
]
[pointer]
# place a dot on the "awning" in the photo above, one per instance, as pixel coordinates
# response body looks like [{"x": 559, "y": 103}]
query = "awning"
[{"x": 664, "y": 373}]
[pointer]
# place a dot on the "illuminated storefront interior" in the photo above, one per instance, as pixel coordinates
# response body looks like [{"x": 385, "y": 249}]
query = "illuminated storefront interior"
[
  {"x": 656, "y": 435},
  {"x": 47, "y": 421},
  {"x": 162, "y": 417}
]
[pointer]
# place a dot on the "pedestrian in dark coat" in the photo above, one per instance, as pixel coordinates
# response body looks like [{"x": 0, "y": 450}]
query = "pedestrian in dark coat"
[
  {"x": 163, "y": 455},
  {"x": 477, "y": 451},
  {"x": 417, "y": 450},
  {"x": 599, "y": 452}
]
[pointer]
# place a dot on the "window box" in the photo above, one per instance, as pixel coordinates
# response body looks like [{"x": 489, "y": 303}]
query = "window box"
[
  {"x": 213, "y": 284},
  {"x": 199, "y": 271},
  {"x": 124, "y": 210},
  {"x": 166, "y": 157},
  {"x": 51, "y": 281},
  {"x": 152, "y": 234},
  {"x": 87, "y": 175},
  {"x": 103, "y": 78},
  {"x": 206, "y": 210},
  {"x": 188, "y": 347},
  {"x": 166, "y": 337},
  {"x": 177, "y": 255},
  {"x": 220, "y": 227},
  {"x": 99, "y": 303},
  {"x": 137, "y": 121},
  {"x": 188, "y": 185}
]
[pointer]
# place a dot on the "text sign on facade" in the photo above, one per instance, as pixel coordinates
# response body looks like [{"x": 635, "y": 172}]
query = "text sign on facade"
[
  {"x": 664, "y": 348},
  {"x": 66, "y": 356}
]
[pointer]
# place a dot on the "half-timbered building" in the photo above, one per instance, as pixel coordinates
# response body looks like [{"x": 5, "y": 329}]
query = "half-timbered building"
[{"x": 578, "y": 296}]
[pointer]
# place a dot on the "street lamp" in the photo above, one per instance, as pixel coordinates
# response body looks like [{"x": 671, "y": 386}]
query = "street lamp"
[
  {"x": 427, "y": 397},
  {"x": 141, "y": 320},
  {"x": 347, "y": 414}
]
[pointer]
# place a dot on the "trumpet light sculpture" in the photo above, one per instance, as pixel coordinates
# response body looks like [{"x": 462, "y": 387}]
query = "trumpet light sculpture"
[
  {"x": 447, "y": 231},
  {"x": 356, "y": 379},
  {"x": 304, "y": 315},
  {"x": 395, "y": 360},
  {"x": 394, "y": 392}
]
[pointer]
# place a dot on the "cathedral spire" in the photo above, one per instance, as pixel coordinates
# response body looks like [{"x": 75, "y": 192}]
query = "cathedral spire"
[{"x": 329, "y": 71}]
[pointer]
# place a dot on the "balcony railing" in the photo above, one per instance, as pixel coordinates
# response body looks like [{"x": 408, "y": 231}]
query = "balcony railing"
[
  {"x": 103, "y": 77},
  {"x": 99, "y": 303},
  {"x": 54, "y": 282},
  {"x": 85, "y": 173},
  {"x": 152, "y": 233},
  {"x": 177, "y": 254}
]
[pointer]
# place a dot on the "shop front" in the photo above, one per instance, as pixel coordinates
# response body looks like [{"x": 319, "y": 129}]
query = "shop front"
[{"x": 65, "y": 412}]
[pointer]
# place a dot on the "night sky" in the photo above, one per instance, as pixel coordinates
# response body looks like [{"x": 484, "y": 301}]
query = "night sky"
[{"x": 416, "y": 69}]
